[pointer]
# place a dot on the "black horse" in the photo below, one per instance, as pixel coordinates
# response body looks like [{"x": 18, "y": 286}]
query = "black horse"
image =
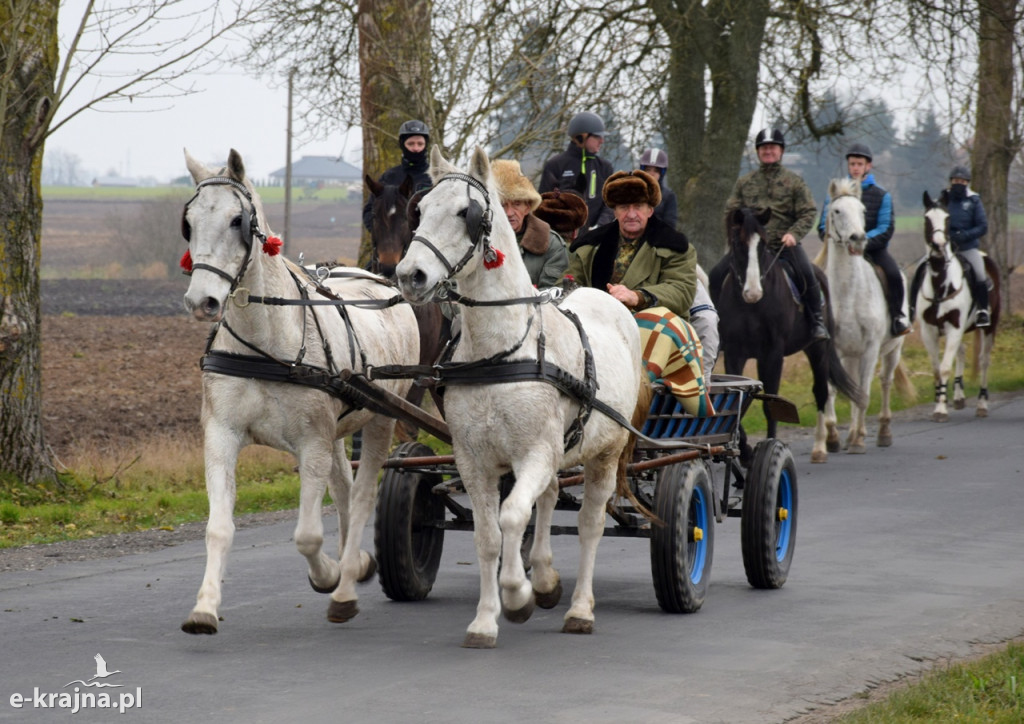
[
  {"x": 390, "y": 233},
  {"x": 760, "y": 317}
]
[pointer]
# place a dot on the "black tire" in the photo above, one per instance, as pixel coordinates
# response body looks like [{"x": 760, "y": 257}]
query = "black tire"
[
  {"x": 408, "y": 548},
  {"x": 769, "y": 515},
  {"x": 682, "y": 548}
]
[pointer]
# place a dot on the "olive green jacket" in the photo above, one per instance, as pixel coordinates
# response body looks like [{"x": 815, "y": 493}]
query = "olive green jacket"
[
  {"x": 665, "y": 265},
  {"x": 777, "y": 188}
]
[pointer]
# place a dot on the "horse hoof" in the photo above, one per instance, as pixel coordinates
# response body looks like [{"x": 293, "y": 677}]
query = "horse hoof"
[
  {"x": 342, "y": 611},
  {"x": 856, "y": 450},
  {"x": 981, "y": 412},
  {"x": 200, "y": 623},
  {"x": 818, "y": 456},
  {"x": 371, "y": 570},
  {"x": 885, "y": 441},
  {"x": 940, "y": 417},
  {"x": 519, "y": 615},
  {"x": 323, "y": 589},
  {"x": 479, "y": 641},
  {"x": 575, "y": 625},
  {"x": 959, "y": 404},
  {"x": 549, "y": 599},
  {"x": 832, "y": 445}
]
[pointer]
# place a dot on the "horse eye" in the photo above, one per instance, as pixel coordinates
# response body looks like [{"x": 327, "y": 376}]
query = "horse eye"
[
  {"x": 236, "y": 222},
  {"x": 462, "y": 213}
]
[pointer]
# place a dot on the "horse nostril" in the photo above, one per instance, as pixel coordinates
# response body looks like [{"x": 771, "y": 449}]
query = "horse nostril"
[{"x": 418, "y": 279}]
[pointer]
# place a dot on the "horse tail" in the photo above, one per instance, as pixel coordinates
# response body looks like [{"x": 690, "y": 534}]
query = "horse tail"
[
  {"x": 640, "y": 412},
  {"x": 904, "y": 386},
  {"x": 842, "y": 380}
]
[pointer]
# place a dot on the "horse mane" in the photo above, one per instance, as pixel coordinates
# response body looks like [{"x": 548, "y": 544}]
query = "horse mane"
[{"x": 837, "y": 189}]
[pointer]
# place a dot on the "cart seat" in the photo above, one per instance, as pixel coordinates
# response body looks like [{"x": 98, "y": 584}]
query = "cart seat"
[{"x": 731, "y": 396}]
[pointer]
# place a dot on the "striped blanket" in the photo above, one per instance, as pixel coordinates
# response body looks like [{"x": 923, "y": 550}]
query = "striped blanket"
[{"x": 672, "y": 354}]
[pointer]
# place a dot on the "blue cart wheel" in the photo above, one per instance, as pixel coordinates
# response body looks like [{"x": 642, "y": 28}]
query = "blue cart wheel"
[
  {"x": 407, "y": 540},
  {"x": 769, "y": 515},
  {"x": 682, "y": 548}
]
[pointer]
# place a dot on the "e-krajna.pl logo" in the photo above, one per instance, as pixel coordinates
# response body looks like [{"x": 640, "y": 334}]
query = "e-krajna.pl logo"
[{"x": 76, "y": 700}]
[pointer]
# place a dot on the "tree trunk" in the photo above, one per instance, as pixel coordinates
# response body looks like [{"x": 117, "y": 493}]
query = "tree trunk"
[
  {"x": 706, "y": 137},
  {"x": 29, "y": 56},
  {"x": 996, "y": 141},
  {"x": 394, "y": 70}
]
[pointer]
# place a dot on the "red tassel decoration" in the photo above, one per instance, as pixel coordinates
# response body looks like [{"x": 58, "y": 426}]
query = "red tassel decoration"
[
  {"x": 272, "y": 246},
  {"x": 499, "y": 259},
  {"x": 186, "y": 261}
]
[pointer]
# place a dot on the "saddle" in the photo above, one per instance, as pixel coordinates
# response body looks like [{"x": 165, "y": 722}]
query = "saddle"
[{"x": 791, "y": 280}]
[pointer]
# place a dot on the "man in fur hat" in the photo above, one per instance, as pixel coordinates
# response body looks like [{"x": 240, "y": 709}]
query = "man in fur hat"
[
  {"x": 542, "y": 249},
  {"x": 638, "y": 259},
  {"x": 565, "y": 211}
]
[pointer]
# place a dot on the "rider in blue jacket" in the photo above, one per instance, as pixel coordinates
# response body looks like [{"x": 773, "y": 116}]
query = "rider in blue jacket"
[{"x": 880, "y": 224}]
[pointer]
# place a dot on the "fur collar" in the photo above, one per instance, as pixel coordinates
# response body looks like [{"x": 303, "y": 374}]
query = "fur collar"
[{"x": 536, "y": 236}]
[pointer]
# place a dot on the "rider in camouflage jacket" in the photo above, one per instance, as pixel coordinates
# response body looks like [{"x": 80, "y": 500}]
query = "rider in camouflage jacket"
[{"x": 793, "y": 214}]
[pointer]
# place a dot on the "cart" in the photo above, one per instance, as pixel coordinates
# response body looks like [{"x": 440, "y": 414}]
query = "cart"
[{"x": 671, "y": 476}]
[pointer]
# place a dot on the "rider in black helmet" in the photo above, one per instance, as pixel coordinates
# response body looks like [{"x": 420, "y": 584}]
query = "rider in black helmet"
[
  {"x": 579, "y": 169},
  {"x": 413, "y": 139},
  {"x": 655, "y": 162}
]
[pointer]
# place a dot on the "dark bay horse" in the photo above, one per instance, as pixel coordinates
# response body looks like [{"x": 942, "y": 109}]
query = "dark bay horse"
[
  {"x": 760, "y": 317},
  {"x": 390, "y": 233}
]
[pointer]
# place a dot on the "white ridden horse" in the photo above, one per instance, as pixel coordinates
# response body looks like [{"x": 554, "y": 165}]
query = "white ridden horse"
[
  {"x": 863, "y": 335},
  {"x": 519, "y": 426},
  {"x": 946, "y": 308},
  {"x": 233, "y": 266}
]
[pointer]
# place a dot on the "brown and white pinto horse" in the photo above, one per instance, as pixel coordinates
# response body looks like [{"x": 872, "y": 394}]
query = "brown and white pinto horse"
[{"x": 947, "y": 309}]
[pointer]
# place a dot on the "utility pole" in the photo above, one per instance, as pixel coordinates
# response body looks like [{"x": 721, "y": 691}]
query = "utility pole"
[{"x": 288, "y": 166}]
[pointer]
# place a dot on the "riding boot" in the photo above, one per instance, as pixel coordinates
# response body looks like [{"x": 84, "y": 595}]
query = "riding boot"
[
  {"x": 815, "y": 307},
  {"x": 900, "y": 325},
  {"x": 982, "y": 318}
]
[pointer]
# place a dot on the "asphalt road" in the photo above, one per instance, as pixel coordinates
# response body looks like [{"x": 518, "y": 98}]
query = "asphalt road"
[{"x": 903, "y": 556}]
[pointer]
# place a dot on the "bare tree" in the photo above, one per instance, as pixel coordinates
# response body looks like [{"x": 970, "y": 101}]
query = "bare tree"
[
  {"x": 38, "y": 92},
  {"x": 61, "y": 168}
]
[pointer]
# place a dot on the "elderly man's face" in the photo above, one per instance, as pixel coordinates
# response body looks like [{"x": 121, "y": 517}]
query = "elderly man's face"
[
  {"x": 769, "y": 153},
  {"x": 515, "y": 212},
  {"x": 633, "y": 218}
]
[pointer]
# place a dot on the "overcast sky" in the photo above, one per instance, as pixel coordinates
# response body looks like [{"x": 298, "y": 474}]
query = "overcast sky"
[{"x": 146, "y": 138}]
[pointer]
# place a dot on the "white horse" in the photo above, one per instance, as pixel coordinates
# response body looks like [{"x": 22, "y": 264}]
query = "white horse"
[
  {"x": 946, "y": 307},
  {"x": 863, "y": 333},
  {"x": 520, "y": 426},
  {"x": 234, "y": 268}
]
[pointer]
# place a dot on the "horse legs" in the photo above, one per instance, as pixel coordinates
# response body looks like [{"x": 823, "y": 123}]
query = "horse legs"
[
  {"x": 599, "y": 473},
  {"x": 890, "y": 361},
  {"x": 817, "y": 356},
  {"x": 865, "y": 371},
  {"x": 221, "y": 447},
  {"x": 985, "y": 343},
  {"x": 357, "y": 565},
  {"x": 316, "y": 466},
  {"x": 547, "y": 584},
  {"x": 831, "y": 422},
  {"x": 482, "y": 632},
  {"x": 941, "y": 369}
]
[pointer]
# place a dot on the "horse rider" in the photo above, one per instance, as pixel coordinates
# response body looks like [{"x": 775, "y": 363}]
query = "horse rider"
[
  {"x": 413, "y": 139},
  {"x": 771, "y": 186},
  {"x": 655, "y": 162},
  {"x": 564, "y": 211},
  {"x": 542, "y": 249},
  {"x": 967, "y": 224},
  {"x": 880, "y": 224},
  {"x": 579, "y": 168}
]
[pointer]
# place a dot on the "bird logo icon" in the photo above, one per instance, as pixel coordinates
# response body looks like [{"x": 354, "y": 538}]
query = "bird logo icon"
[{"x": 101, "y": 673}]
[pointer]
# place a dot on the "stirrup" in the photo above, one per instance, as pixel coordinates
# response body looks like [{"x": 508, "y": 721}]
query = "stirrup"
[{"x": 982, "y": 318}]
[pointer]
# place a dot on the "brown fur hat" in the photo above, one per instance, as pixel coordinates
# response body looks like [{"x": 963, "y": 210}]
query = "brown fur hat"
[
  {"x": 512, "y": 184},
  {"x": 631, "y": 187},
  {"x": 565, "y": 212}
]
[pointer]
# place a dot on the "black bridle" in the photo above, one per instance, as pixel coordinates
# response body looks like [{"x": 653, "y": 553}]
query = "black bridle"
[{"x": 249, "y": 224}]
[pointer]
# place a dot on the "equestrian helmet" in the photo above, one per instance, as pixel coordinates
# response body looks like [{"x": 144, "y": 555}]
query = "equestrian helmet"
[
  {"x": 413, "y": 128},
  {"x": 586, "y": 124},
  {"x": 769, "y": 135},
  {"x": 960, "y": 172},
  {"x": 859, "y": 149},
  {"x": 654, "y": 157}
]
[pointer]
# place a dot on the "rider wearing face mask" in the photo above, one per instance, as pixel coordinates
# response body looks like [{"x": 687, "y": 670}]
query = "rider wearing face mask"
[{"x": 413, "y": 139}]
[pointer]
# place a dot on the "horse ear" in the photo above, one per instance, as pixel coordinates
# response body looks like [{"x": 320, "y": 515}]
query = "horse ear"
[
  {"x": 832, "y": 188},
  {"x": 412, "y": 209},
  {"x": 927, "y": 199},
  {"x": 407, "y": 187},
  {"x": 374, "y": 186},
  {"x": 438, "y": 165},
  {"x": 944, "y": 199},
  {"x": 198, "y": 171},
  {"x": 480, "y": 165},
  {"x": 236, "y": 169}
]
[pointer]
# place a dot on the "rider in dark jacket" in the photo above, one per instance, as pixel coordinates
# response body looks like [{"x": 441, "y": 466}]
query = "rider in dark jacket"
[
  {"x": 413, "y": 138},
  {"x": 880, "y": 224},
  {"x": 579, "y": 168},
  {"x": 655, "y": 162}
]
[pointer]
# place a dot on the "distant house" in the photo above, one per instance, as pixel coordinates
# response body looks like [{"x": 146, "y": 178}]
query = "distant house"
[
  {"x": 319, "y": 171},
  {"x": 112, "y": 180}
]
